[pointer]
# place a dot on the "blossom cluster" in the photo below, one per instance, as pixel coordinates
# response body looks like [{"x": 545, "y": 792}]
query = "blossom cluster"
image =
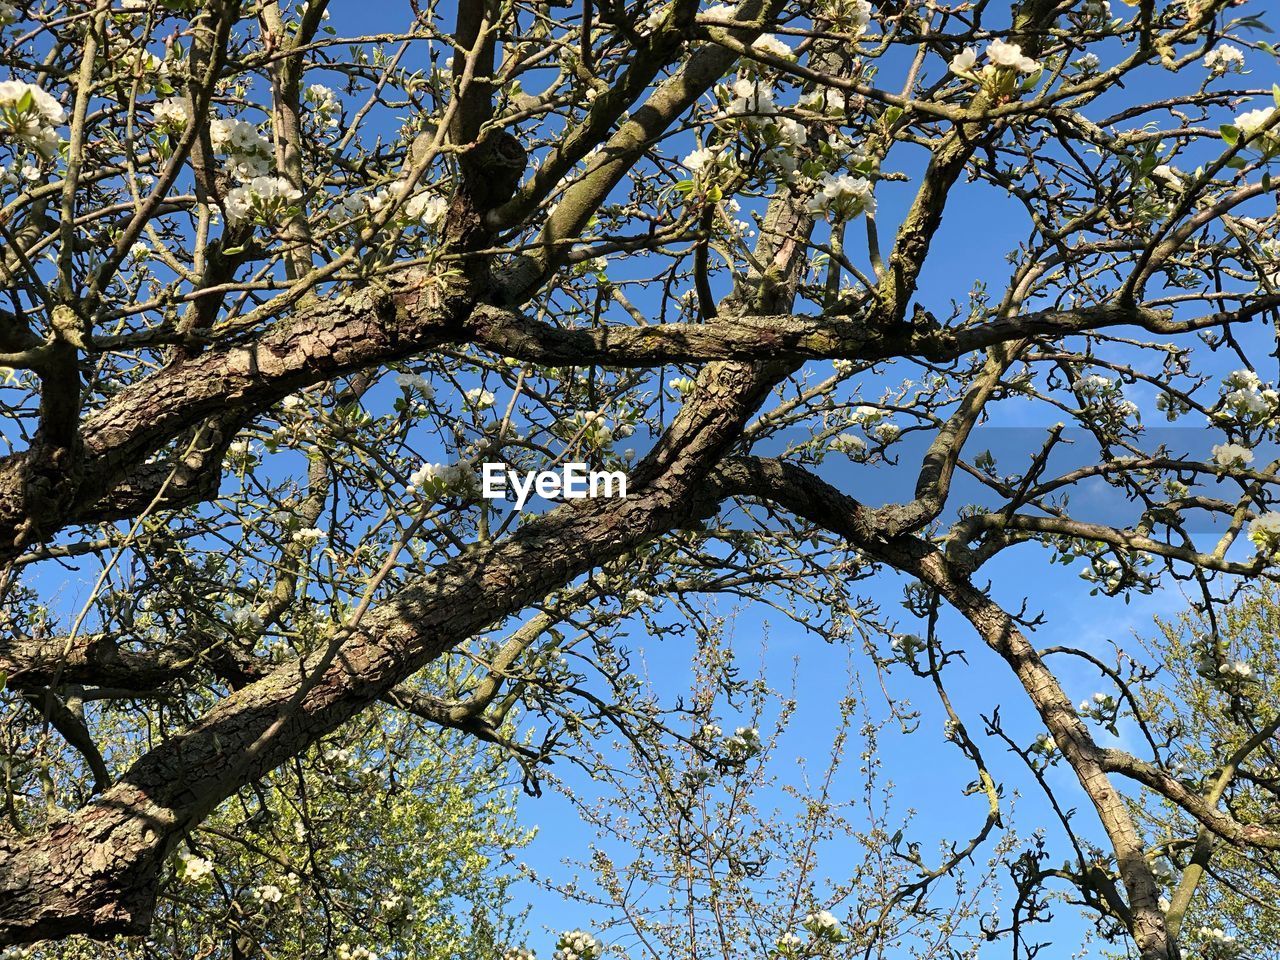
[
  {"x": 323, "y": 104},
  {"x": 30, "y": 115},
  {"x": 851, "y": 17},
  {"x": 577, "y": 945},
  {"x": 261, "y": 198},
  {"x": 435, "y": 479},
  {"x": 1246, "y": 401},
  {"x": 592, "y": 428},
  {"x": 1227, "y": 675},
  {"x": 309, "y": 537},
  {"x": 268, "y": 893},
  {"x": 1224, "y": 58},
  {"x": 1264, "y": 532},
  {"x": 823, "y": 927},
  {"x": 1101, "y": 707},
  {"x": 843, "y": 194},
  {"x": 851, "y": 445},
  {"x": 744, "y": 743},
  {"x": 194, "y": 869},
  {"x": 172, "y": 114},
  {"x": 1005, "y": 62},
  {"x": 1231, "y": 455},
  {"x": 1107, "y": 573},
  {"x": 247, "y": 151},
  {"x": 417, "y": 384},
  {"x": 1258, "y": 129},
  {"x": 1216, "y": 942},
  {"x": 906, "y": 646}
]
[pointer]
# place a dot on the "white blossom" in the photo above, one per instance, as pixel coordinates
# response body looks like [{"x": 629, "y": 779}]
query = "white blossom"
[
  {"x": 751, "y": 97},
  {"x": 826, "y": 100},
  {"x": 768, "y": 43},
  {"x": 1252, "y": 122},
  {"x": 846, "y": 194},
  {"x": 480, "y": 397},
  {"x": 433, "y": 479},
  {"x": 309, "y": 536},
  {"x": 745, "y": 742},
  {"x": 236, "y": 136},
  {"x": 173, "y": 113},
  {"x": 1239, "y": 669},
  {"x": 577, "y": 945},
  {"x": 963, "y": 62},
  {"x": 345, "y": 209},
  {"x": 268, "y": 893},
  {"x": 823, "y": 925},
  {"x": 264, "y": 196},
  {"x": 654, "y": 20},
  {"x": 849, "y": 444},
  {"x": 1088, "y": 62},
  {"x": 244, "y": 617},
  {"x": 320, "y": 95},
  {"x": 1093, "y": 384},
  {"x": 1001, "y": 53},
  {"x": 428, "y": 208},
  {"x": 30, "y": 114},
  {"x": 1247, "y": 401},
  {"x": 1231, "y": 454},
  {"x": 852, "y": 16},
  {"x": 793, "y": 131},
  {"x": 416, "y": 383},
  {"x": 1264, "y": 532},
  {"x": 1224, "y": 58},
  {"x": 194, "y": 869},
  {"x": 699, "y": 160},
  {"x": 723, "y": 11},
  {"x": 1215, "y": 935}
]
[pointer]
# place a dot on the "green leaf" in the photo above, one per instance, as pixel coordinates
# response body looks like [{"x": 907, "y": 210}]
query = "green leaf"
[{"x": 1229, "y": 133}]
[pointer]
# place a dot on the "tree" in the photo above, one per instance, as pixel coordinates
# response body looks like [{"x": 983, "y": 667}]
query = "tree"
[
  {"x": 1220, "y": 714},
  {"x": 226, "y": 225},
  {"x": 326, "y": 855}
]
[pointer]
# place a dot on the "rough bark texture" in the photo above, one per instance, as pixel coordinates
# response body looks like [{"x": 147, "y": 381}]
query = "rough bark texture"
[{"x": 119, "y": 842}]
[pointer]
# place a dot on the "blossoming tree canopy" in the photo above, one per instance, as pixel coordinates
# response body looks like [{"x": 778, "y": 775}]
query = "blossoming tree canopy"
[{"x": 280, "y": 277}]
